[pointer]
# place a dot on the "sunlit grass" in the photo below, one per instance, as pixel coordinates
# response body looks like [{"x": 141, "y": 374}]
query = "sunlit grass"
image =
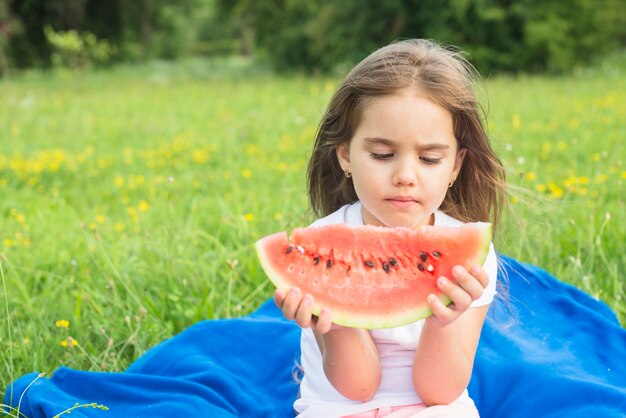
[{"x": 131, "y": 198}]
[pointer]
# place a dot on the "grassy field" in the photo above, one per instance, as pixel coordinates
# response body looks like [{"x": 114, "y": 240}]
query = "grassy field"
[{"x": 131, "y": 198}]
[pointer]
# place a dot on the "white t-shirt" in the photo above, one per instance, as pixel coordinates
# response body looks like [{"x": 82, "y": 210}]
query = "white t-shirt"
[{"x": 396, "y": 347}]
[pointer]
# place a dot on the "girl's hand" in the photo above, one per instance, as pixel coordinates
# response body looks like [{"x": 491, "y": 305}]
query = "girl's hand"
[
  {"x": 469, "y": 286},
  {"x": 298, "y": 307}
]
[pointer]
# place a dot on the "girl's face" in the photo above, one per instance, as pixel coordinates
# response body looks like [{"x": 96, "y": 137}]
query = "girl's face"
[{"x": 402, "y": 157}]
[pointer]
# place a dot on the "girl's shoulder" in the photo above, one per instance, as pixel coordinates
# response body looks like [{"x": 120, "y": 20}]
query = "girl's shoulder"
[
  {"x": 347, "y": 214},
  {"x": 443, "y": 219}
]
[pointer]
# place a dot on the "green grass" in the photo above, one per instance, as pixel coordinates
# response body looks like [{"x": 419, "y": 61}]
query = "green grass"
[{"x": 131, "y": 198}]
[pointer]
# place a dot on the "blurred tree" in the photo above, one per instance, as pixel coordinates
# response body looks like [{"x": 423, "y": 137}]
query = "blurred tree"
[
  {"x": 499, "y": 35},
  {"x": 322, "y": 35},
  {"x": 137, "y": 29},
  {"x": 10, "y": 26}
]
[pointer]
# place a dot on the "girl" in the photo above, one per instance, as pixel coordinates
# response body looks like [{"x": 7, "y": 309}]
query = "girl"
[{"x": 402, "y": 143}]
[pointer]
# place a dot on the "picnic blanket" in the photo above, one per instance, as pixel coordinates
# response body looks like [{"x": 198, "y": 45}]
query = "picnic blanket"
[{"x": 551, "y": 351}]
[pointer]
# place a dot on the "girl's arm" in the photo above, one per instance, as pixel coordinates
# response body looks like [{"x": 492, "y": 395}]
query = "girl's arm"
[
  {"x": 445, "y": 354},
  {"x": 351, "y": 362},
  {"x": 350, "y": 357}
]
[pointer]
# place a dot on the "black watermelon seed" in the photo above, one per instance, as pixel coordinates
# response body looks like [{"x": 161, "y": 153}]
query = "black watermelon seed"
[
  {"x": 329, "y": 263},
  {"x": 424, "y": 257},
  {"x": 393, "y": 262},
  {"x": 316, "y": 260},
  {"x": 420, "y": 267},
  {"x": 436, "y": 253},
  {"x": 289, "y": 249},
  {"x": 369, "y": 264},
  {"x": 386, "y": 267}
]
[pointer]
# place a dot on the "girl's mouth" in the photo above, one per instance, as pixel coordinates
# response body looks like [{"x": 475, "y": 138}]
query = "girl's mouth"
[{"x": 402, "y": 201}]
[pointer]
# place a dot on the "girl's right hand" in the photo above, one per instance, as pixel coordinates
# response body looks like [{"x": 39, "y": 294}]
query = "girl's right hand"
[{"x": 298, "y": 307}]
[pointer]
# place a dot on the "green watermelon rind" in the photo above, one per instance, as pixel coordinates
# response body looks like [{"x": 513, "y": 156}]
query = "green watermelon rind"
[{"x": 354, "y": 320}]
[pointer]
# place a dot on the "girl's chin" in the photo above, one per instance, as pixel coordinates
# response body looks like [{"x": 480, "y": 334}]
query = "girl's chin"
[{"x": 401, "y": 221}]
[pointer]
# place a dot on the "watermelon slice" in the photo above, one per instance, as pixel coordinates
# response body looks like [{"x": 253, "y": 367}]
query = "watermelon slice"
[{"x": 371, "y": 277}]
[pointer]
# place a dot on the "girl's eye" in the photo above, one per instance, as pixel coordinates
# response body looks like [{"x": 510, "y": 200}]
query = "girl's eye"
[
  {"x": 381, "y": 156},
  {"x": 429, "y": 160}
]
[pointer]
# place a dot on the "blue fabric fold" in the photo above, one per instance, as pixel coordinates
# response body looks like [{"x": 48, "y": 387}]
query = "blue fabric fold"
[{"x": 549, "y": 351}]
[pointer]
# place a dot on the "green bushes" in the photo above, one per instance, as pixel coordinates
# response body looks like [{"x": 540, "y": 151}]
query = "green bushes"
[
  {"x": 76, "y": 51},
  {"x": 314, "y": 35},
  {"x": 499, "y": 35}
]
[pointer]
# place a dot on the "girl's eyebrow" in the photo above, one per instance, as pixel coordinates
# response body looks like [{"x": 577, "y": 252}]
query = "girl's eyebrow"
[
  {"x": 376, "y": 140},
  {"x": 389, "y": 142}
]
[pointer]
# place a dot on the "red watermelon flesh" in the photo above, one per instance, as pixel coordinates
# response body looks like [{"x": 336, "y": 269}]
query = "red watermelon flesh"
[{"x": 371, "y": 277}]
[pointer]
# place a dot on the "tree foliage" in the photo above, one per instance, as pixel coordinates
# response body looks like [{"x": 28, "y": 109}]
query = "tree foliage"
[
  {"x": 499, "y": 35},
  {"x": 315, "y": 35},
  {"x": 134, "y": 29}
]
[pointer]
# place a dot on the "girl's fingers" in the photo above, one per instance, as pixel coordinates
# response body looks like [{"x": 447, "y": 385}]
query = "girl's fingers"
[
  {"x": 441, "y": 313},
  {"x": 291, "y": 303},
  {"x": 467, "y": 287},
  {"x": 324, "y": 322},
  {"x": 303, "y": 314},
  {"x": 279, "y": 298},
  {"x": 460, "y": 298},
  {"x": 472, "y": 283}
]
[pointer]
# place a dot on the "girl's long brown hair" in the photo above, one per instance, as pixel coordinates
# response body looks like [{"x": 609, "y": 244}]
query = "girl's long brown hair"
[{"x": 447, "y": 78}]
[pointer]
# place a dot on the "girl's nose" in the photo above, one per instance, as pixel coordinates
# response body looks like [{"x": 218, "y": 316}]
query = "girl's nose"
[{"x": 404, "y": 174}]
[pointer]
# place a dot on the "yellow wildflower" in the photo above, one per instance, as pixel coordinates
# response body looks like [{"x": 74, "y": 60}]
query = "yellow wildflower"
[
  {"x": 200, "y": 156},
  {"x": 62, "y": 323},
  {"x": 119, "y": 181},
  {"x": 517, "y": 122},
  {"x": 246, "y": 173},
  {"x": 143, "y": 206},
  {"x": 278, "y": 216},
  {"x": 624, "y": 174},
  {"x": 531, "y": 176},
  {"x": 100, "y": 219},
  {"x": 69, "y": 342},
  {"x": 249, "y": 217},
  {"x": 555, "y": 191},
  {"x": 251, "y": 149}
]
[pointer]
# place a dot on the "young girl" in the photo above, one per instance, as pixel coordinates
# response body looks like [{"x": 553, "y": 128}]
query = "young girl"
[{"x": 402, "y": 143}]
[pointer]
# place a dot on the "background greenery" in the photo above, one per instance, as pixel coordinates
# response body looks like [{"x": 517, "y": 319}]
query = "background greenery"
[
  {"x": 131, "y": 197},
  {"x": 314, "y": 35}
]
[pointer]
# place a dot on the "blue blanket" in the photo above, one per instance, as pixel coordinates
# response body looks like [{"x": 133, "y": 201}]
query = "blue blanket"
[{"x": 552, "y": 351}]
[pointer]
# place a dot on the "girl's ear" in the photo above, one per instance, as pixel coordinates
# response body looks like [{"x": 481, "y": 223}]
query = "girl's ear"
[
  {"x": 343, "y": 155},
  {"x": 458, "y": 162}
]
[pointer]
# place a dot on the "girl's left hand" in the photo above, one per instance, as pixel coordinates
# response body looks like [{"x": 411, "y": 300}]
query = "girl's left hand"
[{"x": 468, "y": 287}]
